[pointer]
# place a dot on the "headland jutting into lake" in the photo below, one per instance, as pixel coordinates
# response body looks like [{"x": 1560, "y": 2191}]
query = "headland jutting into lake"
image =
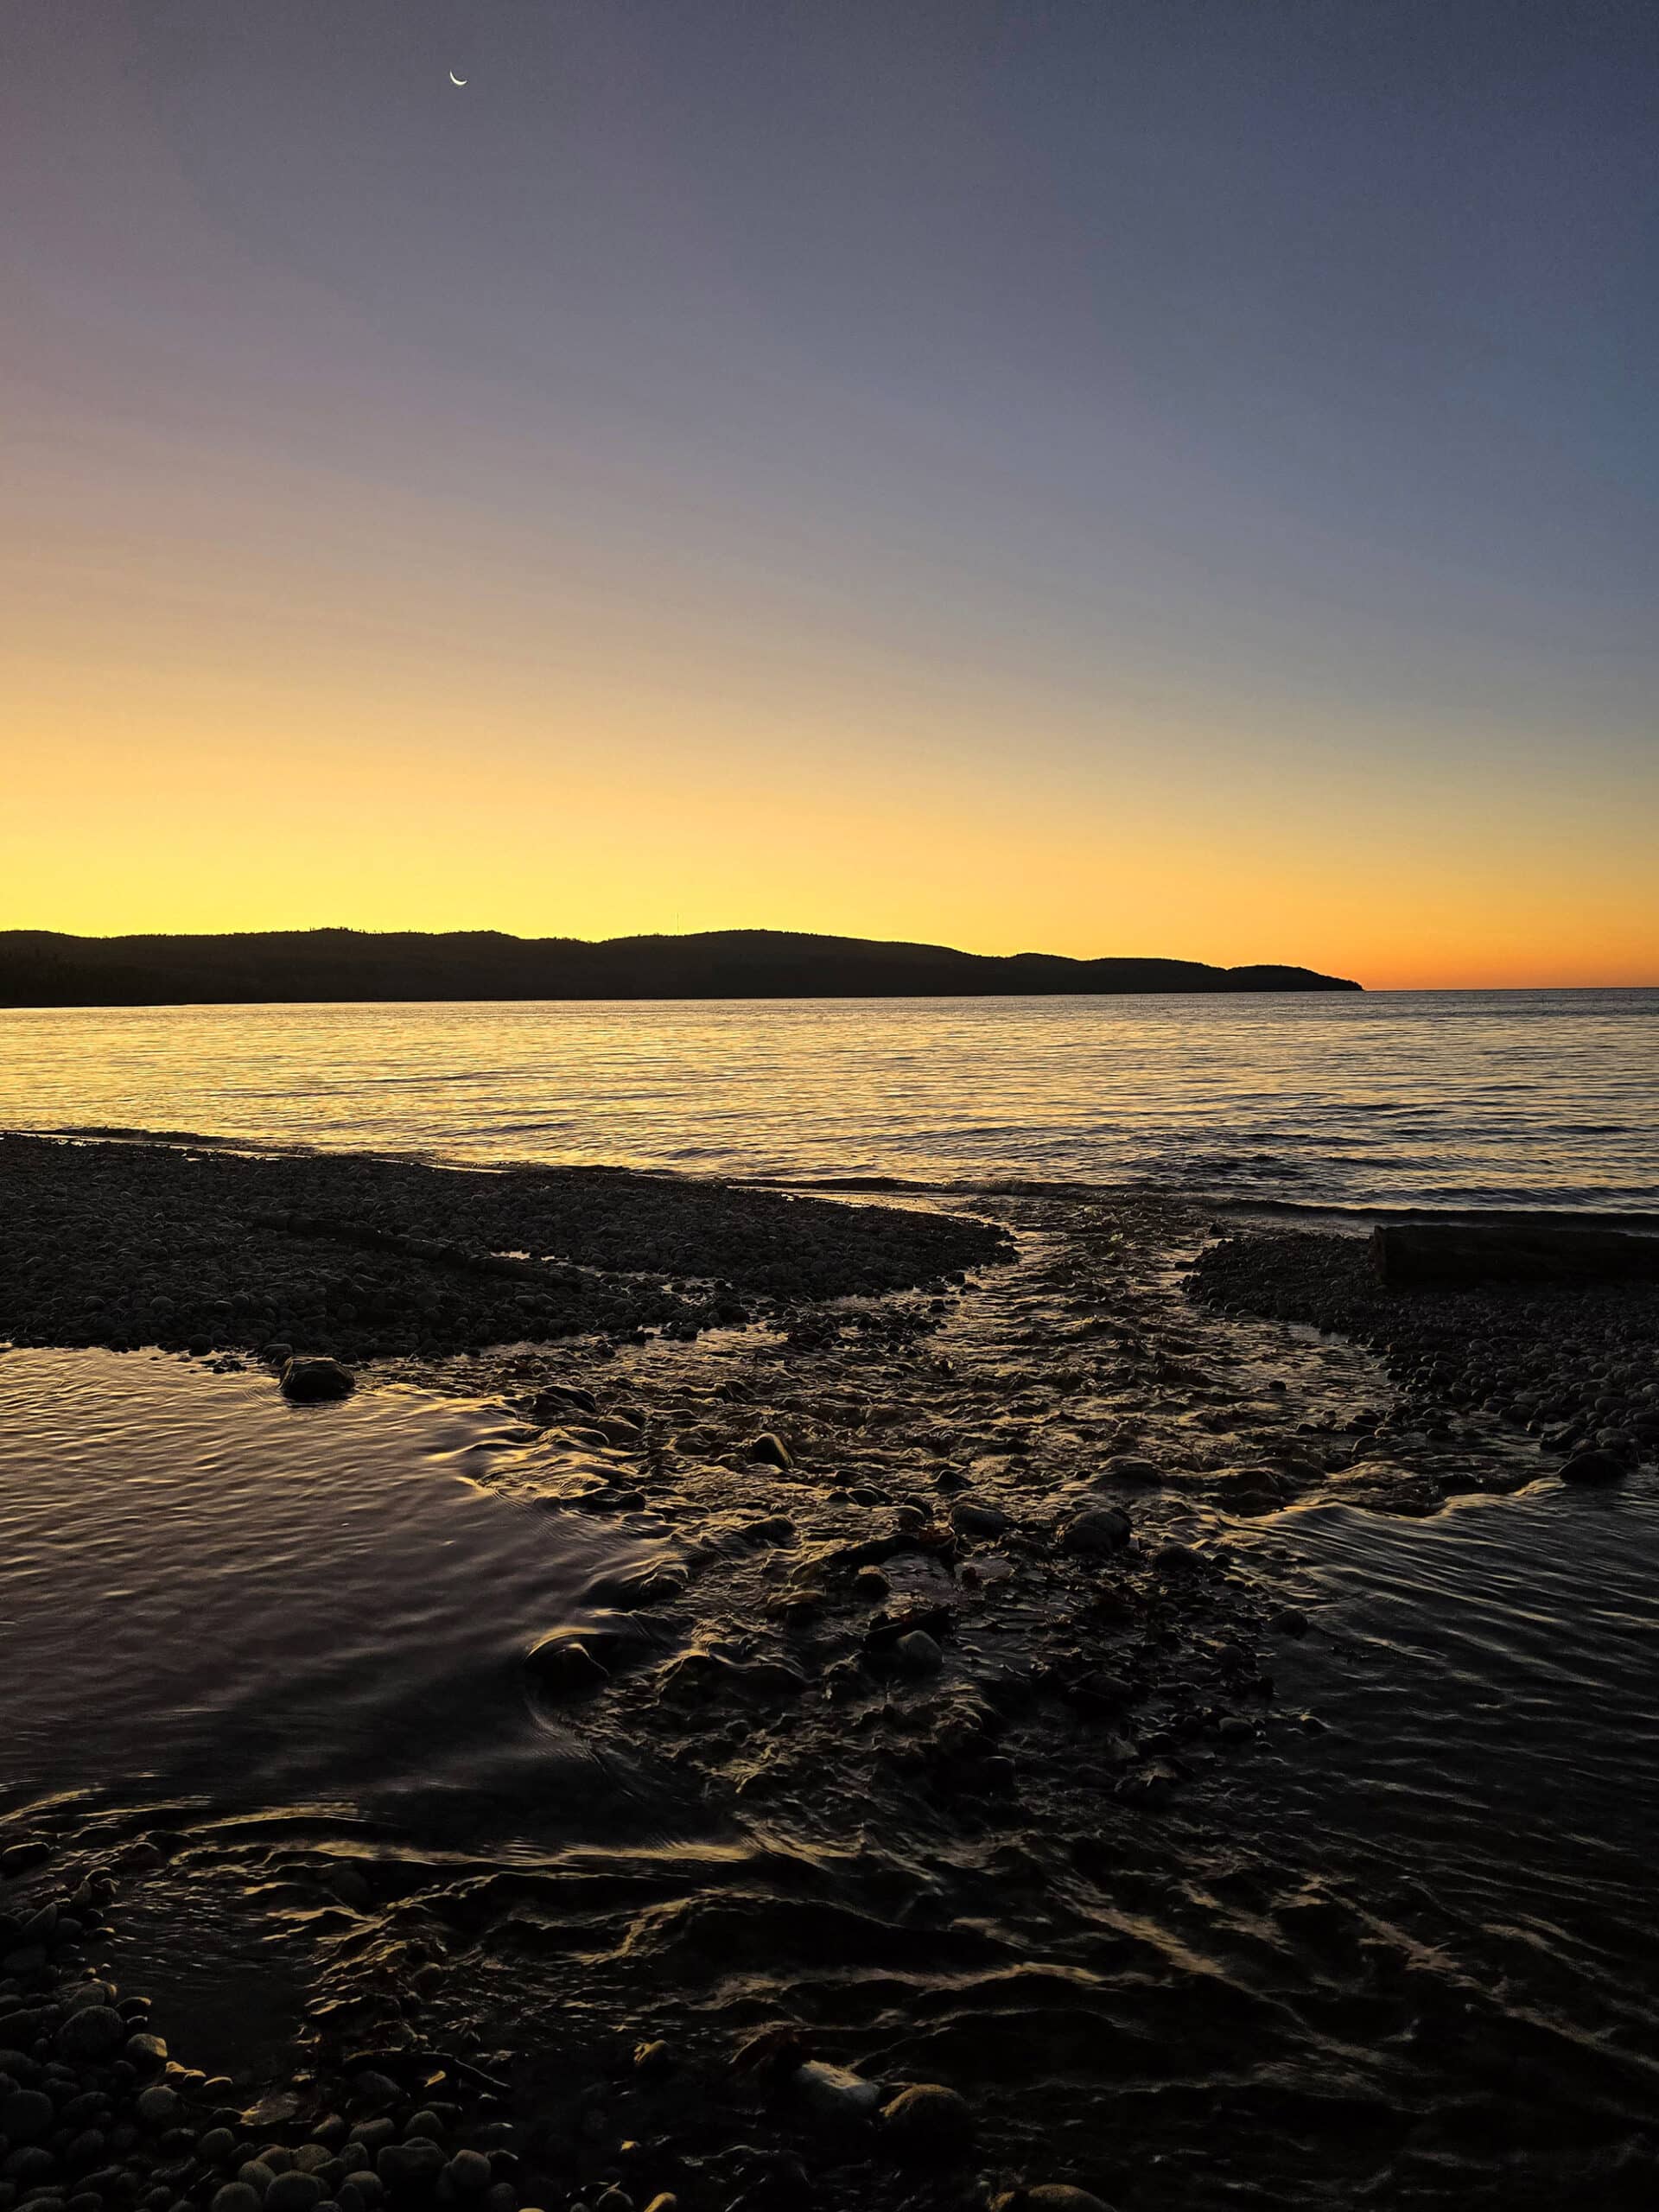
[
  {"x": 41, "y": 968},
  {"x": 946, "y": 1652}
]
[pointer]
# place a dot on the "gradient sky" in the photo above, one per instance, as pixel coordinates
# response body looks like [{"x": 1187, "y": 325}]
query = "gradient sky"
[{"x": 1132, "y": 476}]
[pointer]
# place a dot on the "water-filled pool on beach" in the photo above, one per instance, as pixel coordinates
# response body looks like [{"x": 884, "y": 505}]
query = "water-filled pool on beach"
[{"x": 209, "y": 1594}]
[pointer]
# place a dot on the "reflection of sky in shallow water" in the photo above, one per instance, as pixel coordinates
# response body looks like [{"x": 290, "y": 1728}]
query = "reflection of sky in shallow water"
[
  {"x": 206, "y": 1591},
  {"x": 1389, "y": 1098}
]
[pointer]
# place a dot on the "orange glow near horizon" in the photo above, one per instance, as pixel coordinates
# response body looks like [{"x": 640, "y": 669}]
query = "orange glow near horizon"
[
  {"x": 216, "y": 738},
  {"x": 154, "y": 830},
  {"x": 599, "y": 503}
]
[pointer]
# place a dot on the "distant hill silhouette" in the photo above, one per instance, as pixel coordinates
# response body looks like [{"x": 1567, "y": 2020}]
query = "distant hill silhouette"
[{"x": 41, "y": 968}]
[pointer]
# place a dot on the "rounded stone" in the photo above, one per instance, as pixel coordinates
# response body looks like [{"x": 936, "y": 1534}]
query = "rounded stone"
[
  {"x": 144, "y": 2054},
  {"x": 235, "y": 2196},
  {"x": 95, "y": 2032},
  {"x": 563, "y": 1666},
  {"x": 256, "y": 2175},
  {"x": 469, "y": 2172},
  {"x": 159, "y": 2106},
  {"x": 315, "y": 1382},
  {"x": 30, "y": 2166},
  {"x": 27, "y": 2115},
  {"x": 89, "y": 1992},
  {"x": 973, "y": 1517},
  {"x": 1593, "y": 1470},
  {"x": 929, "y": 2122},
  {"x": 917, "y": 1654},
  {"x": 410, "y": 2165},
  {"x": 293, "y": 2192},
  {"x": 1096, "y": 1528},
  {"x": 86, "y": 2150}
]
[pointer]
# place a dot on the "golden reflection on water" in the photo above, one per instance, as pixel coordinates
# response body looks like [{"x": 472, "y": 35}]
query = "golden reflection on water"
[{"x": 1396, "y": 1098}]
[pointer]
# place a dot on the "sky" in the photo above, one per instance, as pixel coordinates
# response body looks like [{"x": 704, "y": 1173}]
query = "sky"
[{"x": 1167, "y": 477}]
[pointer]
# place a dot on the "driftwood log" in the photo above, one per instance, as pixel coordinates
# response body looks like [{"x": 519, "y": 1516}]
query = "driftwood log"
[{"x": 1453, "y": 1255}]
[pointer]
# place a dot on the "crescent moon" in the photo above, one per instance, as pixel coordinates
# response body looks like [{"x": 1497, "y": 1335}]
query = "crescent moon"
[{"x": 455, "y": 79}]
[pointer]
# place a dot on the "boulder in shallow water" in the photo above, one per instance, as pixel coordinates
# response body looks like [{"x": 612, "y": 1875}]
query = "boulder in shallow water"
[
  {"x": 930, "y": 2123},
  {"x": 973, "y": 1517},
  {"x": 833, "y": 2094},
  {"x": 770, "y": 1451},
  {"x": 917, "y": 1654},
  {"x": 575, "y": 1659},
  {"x": 1096, "y": 1528},
  {"x": 563, "y": 1666},
  {"x": 1594, "y": 1470},
  {"x": 315, "y": 1382},
  {"x": 1136, "y": 1474}
]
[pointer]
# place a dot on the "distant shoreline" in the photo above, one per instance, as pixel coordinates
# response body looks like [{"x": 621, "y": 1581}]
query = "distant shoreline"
[{"x": 44, "y": 968}]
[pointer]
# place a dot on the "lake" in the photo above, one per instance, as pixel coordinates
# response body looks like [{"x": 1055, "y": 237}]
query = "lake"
[{"x": 1397, "y": 1098}]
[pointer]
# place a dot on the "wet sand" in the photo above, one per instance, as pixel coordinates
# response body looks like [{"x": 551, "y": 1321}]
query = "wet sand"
[{"x": 957, "y": 1717}]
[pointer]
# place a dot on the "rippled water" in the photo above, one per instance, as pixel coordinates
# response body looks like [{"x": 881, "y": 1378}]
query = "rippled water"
[
  {"x": 1491, "y": 1672},
  {"x": 1497, "y": 1099},
  {"x": 1489, "y": 1793},
  {"x": 206, "y": 1592}
]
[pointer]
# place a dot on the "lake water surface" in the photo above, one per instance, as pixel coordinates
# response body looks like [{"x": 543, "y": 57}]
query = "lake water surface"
[{"x": 1426, "y": 1098}]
